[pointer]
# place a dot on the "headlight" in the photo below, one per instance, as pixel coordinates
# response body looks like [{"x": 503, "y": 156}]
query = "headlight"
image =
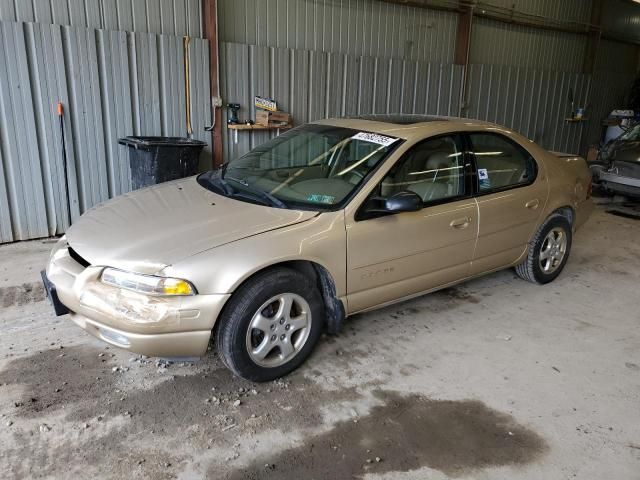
[{"x": 148, "y": 284}]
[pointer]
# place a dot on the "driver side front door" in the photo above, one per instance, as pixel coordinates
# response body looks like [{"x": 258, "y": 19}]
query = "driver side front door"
[{"x": 395, "y": 256}]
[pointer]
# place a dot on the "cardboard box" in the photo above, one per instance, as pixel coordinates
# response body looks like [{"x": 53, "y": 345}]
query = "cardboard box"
[
  {"x": 272, "y": 119},
  {"x": 592, "y": 154}
]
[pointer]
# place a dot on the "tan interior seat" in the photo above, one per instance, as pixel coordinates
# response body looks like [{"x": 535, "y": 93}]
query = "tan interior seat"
[{"x": 441, "y": 182}]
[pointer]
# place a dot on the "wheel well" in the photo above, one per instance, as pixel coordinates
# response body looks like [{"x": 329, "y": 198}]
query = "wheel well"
[
  {"x": 334, "y": 309},
  {"x": 566, "y": 212}
]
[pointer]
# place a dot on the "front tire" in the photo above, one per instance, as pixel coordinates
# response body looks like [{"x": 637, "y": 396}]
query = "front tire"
[
  {"x": 270, "y": 325},
  {"x": 548, "y": 251}
]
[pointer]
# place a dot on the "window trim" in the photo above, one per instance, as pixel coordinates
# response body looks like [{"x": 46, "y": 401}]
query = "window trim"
[
  {"x": 470, "y": 178},
  {"x": 474, "y": 162}
]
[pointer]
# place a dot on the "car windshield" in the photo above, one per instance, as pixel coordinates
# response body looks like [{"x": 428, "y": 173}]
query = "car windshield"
[{"x": 311, "y": 167}]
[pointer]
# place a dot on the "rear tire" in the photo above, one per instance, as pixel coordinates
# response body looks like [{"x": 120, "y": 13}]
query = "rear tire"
[
  {"x": 270, "y": 325},
  {"x": 548, "y": 251}
]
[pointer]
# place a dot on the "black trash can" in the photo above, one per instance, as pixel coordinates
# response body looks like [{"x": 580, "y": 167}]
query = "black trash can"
[{"x": 160, "y": 159}]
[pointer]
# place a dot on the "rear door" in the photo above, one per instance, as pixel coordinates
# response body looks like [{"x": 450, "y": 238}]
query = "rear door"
[
  {"x": 511, "y": 190},
  {"x": 394, "y": 256}
]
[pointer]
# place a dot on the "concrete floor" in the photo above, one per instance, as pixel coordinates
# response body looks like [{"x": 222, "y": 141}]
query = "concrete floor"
[{"x": 494, "y": 379}]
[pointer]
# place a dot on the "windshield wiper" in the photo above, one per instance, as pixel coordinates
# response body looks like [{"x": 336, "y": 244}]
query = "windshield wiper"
[
  {"x": 222, "y": 184},
  {"x": 270, "y": 199}
]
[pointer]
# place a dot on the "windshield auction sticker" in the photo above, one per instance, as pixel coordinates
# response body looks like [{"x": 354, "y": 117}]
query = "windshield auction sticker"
[{"x": 374, "y": 138}]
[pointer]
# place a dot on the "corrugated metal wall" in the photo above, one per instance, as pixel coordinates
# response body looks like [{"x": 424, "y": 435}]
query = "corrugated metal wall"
[
  {"x": 578, "y": 11},
  {"x": 173, "y": 17},
  {"x": 312, "y": 85},
  {"x": 534, "y": 102},
  {"x": 498, "y": 43},
  {"x": 356, "y": 27},
  {"x": 622, "y": 17},
  {"x": 520, "y": 76},
  {"x": 112, "y": 84},
  {"x": 612, "y": 79}
]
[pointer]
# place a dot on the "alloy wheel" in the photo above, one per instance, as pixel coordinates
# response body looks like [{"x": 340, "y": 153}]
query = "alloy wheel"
[{"x": 279, "y": 330}]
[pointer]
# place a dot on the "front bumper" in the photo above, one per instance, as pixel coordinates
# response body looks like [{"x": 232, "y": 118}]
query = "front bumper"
[{"x": 153, "y": 326}]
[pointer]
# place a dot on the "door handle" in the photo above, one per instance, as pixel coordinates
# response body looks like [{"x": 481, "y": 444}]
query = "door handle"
[
  {"x": 460, "y": 223},
  {"x": 532, "y": 204}
]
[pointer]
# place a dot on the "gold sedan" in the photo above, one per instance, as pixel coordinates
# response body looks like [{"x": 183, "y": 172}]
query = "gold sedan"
[{"x": 327, "y": 220}]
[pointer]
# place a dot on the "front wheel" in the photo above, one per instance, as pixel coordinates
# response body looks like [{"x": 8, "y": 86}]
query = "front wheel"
[
  {"x": 270, "y": 325},
  {"x": 548, "y": 251}
]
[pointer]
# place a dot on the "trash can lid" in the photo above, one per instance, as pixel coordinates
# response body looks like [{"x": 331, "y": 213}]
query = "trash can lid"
[{"x": 137, "y": 142}]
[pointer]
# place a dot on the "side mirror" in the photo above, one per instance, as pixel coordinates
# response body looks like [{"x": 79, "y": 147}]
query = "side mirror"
[
  {"x": 403, "y": 202},
  {"x": 400, "y": 202}
]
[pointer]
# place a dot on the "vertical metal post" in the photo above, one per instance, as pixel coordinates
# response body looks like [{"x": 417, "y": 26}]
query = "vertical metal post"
[
  {"x": 210, "y": 20},
  {"x": 463, "y": 47}
]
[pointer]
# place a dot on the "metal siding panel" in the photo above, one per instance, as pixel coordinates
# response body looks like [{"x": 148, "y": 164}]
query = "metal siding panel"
[
  {"x": 77, "y": 14},
  {"x": 60, "y": 12},
  {"x": 148, "y": 94},
  {"x": 608, "y": 92},
  {"x": 351, "y": 92},
  {"x": 24, "y": 11},
  {"x": 166, "y": 17},
  {"x": 116, "y": 107},
  {"x": 154, "y": 23},
  {"x": 355, "y": 27},
  {"x": 381, "y": 86},
  {"x": 42, "y": 11},
  {"x": 194, "y": 12},
  {"x": 532, "y": 102},
  {"x": 7, "y": 10},
  {"x": 236, "y": 58},
  {"x": 317, "y": 86},
  {"x": 395, "y": 85},
  {"x": 368, "y": 79},
  {"x": 49, "y": 87},
  {"x": 334, "y": 84},
  {"x": 494, "y": 42},
  {"x": 21, "y": 158},
  {"x": 300, "y": 76},
  {"x": 455, "y": 89},
  {"x": 95, "y": 74},
  {"x": 86, "y": 117},
  {"x": 260, "y": 84},
  {"x": 200, "y": 99},
  {"x": 225, "y": 60},
  {"x": 280, "y": 79},
  {"x": 172, "y": 86},
  {"x": 110, "y": 15},
  {"x": 6, "y": 232},
  {"x": 125, "y": 15},
  {"x": 93, "y": 14},
  {"x": 180, "y": 17},
  {"x": 139, "y": 12},
  {"x": 421, "y": 87}
]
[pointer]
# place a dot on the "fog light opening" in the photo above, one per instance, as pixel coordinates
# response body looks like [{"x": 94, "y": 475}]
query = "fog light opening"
[{"x": 114, "y": 337}]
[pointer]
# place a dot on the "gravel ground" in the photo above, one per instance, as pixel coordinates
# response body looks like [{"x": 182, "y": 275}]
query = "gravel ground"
[{"x": 494, "y": 379}]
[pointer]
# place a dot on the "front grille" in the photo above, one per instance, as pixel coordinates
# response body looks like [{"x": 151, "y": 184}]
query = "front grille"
[{"x": 73, "y": 254}]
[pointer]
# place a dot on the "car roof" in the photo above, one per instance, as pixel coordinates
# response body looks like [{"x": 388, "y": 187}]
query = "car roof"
[{"x": 406, "y": 126}]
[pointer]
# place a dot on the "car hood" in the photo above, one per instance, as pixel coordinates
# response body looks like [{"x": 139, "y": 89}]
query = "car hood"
[{"x": 150, "y": 229}]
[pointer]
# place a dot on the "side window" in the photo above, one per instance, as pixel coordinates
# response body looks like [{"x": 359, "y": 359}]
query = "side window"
[
  {"x": 501, "y": 162},
  {"x": 434, "y": 169}
]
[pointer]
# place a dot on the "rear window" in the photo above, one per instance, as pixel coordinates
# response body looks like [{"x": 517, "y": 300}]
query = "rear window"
[{"x": 501, "y": 163}]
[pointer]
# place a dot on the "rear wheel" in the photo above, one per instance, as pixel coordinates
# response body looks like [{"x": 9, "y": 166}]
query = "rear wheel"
[
  {"x": 548, "y": 251},
  {"x": 270, "y": 325}
]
